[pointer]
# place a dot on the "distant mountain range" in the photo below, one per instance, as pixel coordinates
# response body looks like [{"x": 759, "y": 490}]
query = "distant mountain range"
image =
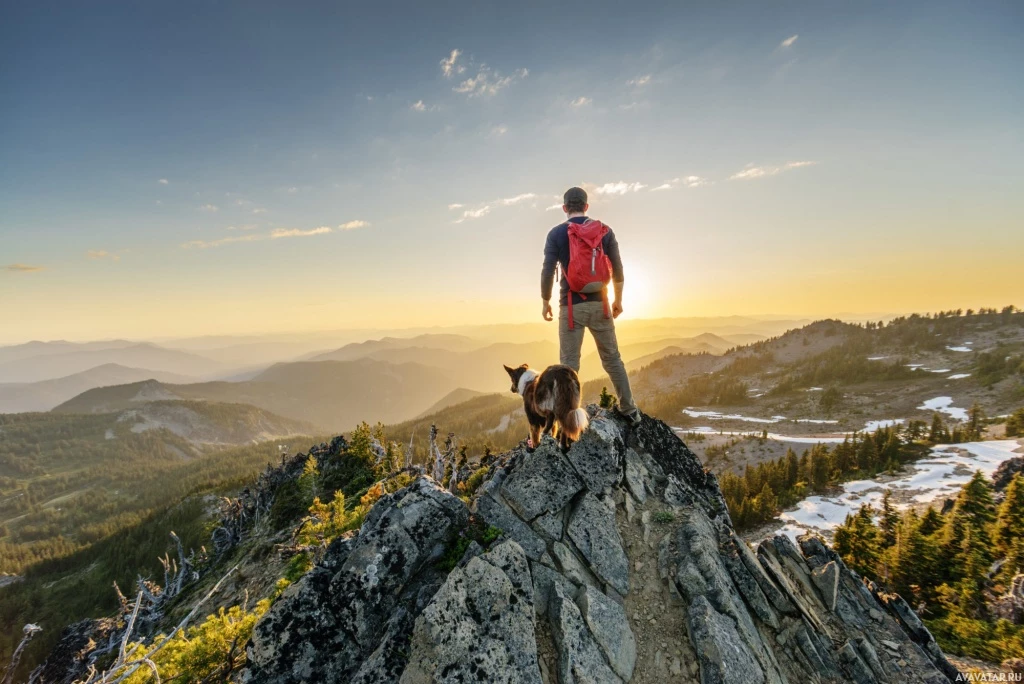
[
  {"x": 46, "y": 394},
  {"x": 60, "y": 359},
  {"x": 389, "y": 379}
]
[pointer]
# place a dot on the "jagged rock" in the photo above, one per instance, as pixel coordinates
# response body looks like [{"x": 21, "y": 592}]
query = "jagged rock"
[
  {"x": 724, "y": 657},
  {"x": 544, "y": 581},
  {"x": 479, "y": 626},
  {"x": 580, "y": 657},
  {"x": 550, "y": 525},
  {"x": 826, "y": 578},
  {"x": 543, "y": 482},
  {"x": 782, "y": 614},
  {"x": 592, "y": 529},
  {"x": 496, "y": 513},
  {"x": 637, "y": 477},
  {"x": 328, "y": 623},
  {"x": 572, "y": 568},
  {"x": 607, "y": 622},
  {"x": 1003, "y": 475},
  {"x": 596, "y": 456}
]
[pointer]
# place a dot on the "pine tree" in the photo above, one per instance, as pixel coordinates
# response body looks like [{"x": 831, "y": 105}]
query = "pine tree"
[
  {"x": 974, "y": 561},
  {"x": 309, "y": 481},
  {"x": 867, "y": 456},
  {"x": 889, "y": 520},
  {"x": 856, "y": 540},
  {"x": 792, "y": 469},
  {"x": 767, "y": 503},
  {"x": 931, "y": 522},
  {"x": 1009, "y": 525},
  {"x": 975, "y": 421},
  {"x": 938, "y": 434}
]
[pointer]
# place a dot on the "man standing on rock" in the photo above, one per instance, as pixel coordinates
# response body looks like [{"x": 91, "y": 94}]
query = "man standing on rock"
[{"x": 588, "y": 254}]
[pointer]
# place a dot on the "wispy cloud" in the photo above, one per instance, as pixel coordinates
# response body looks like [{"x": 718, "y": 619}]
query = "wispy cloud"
[
  {"x": 279, "y": 233},
  {"x": 102, "y": 254},
  {"x": 553, "y": 207},
  {"x": 499, "y": 131},
  {"x": 789, "y": 41},
  {"x": 420, "y": 106},
  {"x": 276, "y": 234},
  {"x": 246, "y": 226},
  {"x": 353, "y": 225},
  {"x": 209, "y": 207},
  {"x": 483, "y": 209},
  {"x": 639, "y": 81},
  {"x": 751, "y": 171},
  {"x": 23, "y": 268},
  {"x": 163, "y": 181},
  {"x": 448, "y": 65},
  {"x": 685, "y": 181},
  {"x": 259, "y": 210},
  {"x": 489, "y": 82},
  {"x": 620, "y": 188},
  {"x": 475, "y": 213},
  {"x": 205, "y": 244},
  {"x": 509, "y": 201},
  {"x": 581, "y": 101}
]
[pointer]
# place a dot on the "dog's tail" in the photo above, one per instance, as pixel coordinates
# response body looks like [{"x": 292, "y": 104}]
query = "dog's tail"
[{"x": 574, "y": 423}]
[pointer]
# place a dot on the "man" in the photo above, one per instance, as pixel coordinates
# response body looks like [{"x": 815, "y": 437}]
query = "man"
[{"x": 579, "y": 311}]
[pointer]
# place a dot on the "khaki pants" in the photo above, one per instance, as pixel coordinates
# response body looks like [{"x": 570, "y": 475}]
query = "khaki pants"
[{"x": 590, "y": 316}]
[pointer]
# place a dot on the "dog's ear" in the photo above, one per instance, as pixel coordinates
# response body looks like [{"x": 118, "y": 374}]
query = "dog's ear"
[
  {"x": 525, "y": 366},
  {"x": 508, "y": 370}
]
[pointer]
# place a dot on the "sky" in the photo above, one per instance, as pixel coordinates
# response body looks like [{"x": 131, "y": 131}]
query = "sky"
[{"x": 229, "y": 167}]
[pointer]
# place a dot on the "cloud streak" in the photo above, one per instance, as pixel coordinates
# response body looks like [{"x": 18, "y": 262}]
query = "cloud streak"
[
  {"x": 488, "y": 82},
  {"x": 22, "y": 268},
  {"x": 685, "y": 181},
  {"x": 751, "y": 171},
  {"x": 789, "y": 41},
  {"x": 448, "y": 65},
  {"x": 102, "y": 254},
  {"x": 581, "y": 101},
  {"x": 620, "y": 188},
  {"x": 484, "y": 209},
  {"x": 276, "y": 234}
]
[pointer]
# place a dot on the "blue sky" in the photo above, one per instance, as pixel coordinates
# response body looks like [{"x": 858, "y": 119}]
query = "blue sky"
[{"x": 242, "y": 166}]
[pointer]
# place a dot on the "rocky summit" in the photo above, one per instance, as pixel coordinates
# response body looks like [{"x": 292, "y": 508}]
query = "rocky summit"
[{"x": 616, "y": 562}]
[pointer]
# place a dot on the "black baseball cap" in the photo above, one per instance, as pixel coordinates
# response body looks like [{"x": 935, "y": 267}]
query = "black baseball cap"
[{"x": 575, "y": 195}]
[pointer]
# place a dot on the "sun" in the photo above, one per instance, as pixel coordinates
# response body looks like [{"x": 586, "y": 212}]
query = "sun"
[{"x": 638, "y": 295}]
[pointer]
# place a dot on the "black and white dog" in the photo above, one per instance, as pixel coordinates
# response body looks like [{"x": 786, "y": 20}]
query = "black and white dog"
[{"x": 551, "y": 397}]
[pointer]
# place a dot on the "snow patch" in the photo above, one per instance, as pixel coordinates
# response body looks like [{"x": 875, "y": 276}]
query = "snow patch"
[{"x": 944, "y": 405}]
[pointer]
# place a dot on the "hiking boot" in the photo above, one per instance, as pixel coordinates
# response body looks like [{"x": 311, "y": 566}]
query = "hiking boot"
[{"x": 633, "y": 416}]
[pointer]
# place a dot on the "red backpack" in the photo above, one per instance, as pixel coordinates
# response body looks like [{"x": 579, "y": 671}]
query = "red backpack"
[{"x": 589, "y": 270}]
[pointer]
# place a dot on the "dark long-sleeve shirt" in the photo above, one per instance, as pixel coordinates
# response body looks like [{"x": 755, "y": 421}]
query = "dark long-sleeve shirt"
[{"x": 556, "y": 251}]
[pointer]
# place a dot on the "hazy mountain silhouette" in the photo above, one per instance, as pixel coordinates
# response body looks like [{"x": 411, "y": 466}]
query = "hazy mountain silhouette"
[
  {"x": 46, "y": 394},
  {"x": 54, "y": 363}
]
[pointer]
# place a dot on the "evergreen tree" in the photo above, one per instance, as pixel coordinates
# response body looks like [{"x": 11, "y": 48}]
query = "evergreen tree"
[
  {"x": 309, "y": 481},
  {"x": 1015, "y": 424},
  {"x": 931, "y": 522},
  {"x": 889, "y": 520},
  {"x": 1009, "y": 525},
  {"x": 767, "y": 503},
  {"x": 938, "y": 434},
  {"x": 856, "y": 540},
  {"x": 792, "y": 469},
  {"x": 975, "y": 421}
]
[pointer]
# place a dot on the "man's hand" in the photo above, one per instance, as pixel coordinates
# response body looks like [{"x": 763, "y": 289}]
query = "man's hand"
[
  {"x": 616, "y": 308},
  {"x": 546, "y": 311}
]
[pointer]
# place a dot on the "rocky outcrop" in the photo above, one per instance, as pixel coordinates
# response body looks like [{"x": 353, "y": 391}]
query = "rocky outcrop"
[
  {"x": 1006, "y": 471},
  {"x": 617, "y": 563}
]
